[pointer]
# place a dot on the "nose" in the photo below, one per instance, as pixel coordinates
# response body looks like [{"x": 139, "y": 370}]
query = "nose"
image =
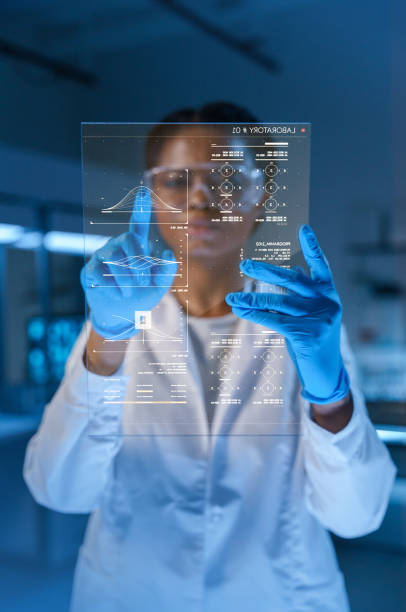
[{"x": 199, "y": 194}]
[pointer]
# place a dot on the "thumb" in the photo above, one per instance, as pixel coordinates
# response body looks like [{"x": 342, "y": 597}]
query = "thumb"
[{"x": 298, "y": 269}]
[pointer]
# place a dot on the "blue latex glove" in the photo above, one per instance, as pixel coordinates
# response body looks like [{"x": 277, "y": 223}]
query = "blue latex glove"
[
  {"x": 308, "y": 316},
  {"x": 113, "y": 299}
]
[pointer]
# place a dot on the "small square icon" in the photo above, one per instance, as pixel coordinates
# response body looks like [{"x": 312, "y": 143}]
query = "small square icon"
[{"x": 142, "y": 319}]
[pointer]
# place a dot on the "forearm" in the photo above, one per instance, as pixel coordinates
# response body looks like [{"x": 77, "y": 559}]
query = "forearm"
[
  {"x": 66, "y": 468},
  {"x": 103, "y": 357},
  {"x": 348, "y": 469},
  {"x": 349, "y": 472},
  {"x": 335, "y": 416}
]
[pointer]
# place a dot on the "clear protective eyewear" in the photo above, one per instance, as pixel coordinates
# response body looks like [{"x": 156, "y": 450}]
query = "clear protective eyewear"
[{"x": 228, "y": 186}]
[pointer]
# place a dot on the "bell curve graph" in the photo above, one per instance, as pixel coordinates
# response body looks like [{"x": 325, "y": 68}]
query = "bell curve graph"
[{"x": 133, "y": 202}]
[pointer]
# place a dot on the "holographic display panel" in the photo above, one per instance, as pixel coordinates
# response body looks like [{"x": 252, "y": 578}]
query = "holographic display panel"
[{"x": 218, "y": 193}]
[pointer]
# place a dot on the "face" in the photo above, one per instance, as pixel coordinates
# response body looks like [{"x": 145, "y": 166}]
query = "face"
[{"x": 205, "y": 196}]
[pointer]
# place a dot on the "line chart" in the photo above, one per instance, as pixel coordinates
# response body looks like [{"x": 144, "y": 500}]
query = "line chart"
[
  {"x": 151, "y": 336},
  {"x": 139, "y": 268},
  {"x": 159, "y": 334},
  {"x": 140, "y": 263}
]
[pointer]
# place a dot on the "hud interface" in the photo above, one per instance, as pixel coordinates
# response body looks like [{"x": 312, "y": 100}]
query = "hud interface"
[{"x": 182, "y": 205}]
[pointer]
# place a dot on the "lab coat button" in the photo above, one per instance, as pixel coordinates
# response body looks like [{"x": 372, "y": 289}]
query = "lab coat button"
[{"x": 216, "y": 514}]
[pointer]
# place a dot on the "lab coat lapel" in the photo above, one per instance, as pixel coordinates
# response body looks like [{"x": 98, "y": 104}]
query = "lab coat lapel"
[
  {"x": 194, "y": 421},
  {"x": 196, "y": 408},
  {"x": 178, "y": 408}
]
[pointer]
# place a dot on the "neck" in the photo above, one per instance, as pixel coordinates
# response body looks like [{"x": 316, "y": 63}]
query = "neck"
[{"x": 209, "y": 282}]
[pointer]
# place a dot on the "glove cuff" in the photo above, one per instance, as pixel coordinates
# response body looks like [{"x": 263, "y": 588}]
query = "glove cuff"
[
  {"x": 341, "y": 390},
  {"x": 118, "y": 334}
]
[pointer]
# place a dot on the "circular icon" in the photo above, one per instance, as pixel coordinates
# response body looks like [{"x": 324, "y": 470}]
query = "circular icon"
[
  {"x": 225, "y": 356},
  {"x": 226, "y": 204},
  {"x": 271, "y": 169},
  {"x": 227, "y": 170},
  {"x": 225, "y": 372},
  {"x": 271, "y": 187},
  {"x": 225, "y": 388},
  {"x": 268, "y": 388},
  {"x": 270, "y": 205},
  {"x": 269, "y": 356},
  {"x": 269, "y": 372},
  {"x": 226, "y": 187}
]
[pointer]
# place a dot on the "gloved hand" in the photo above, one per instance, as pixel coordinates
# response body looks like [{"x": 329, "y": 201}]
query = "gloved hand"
[
  {"x": 121, "y": 277},
  {"x": 308, "y": 316}
]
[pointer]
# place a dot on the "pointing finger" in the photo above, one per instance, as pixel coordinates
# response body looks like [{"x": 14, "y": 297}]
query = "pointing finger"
[{"x": 141, "y": 216}]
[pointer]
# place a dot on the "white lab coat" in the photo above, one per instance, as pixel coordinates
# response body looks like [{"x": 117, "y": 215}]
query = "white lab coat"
[{"x": 192, "y": 523}]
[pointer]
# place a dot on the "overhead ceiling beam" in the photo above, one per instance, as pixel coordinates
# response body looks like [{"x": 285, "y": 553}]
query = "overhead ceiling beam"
[
  {"x": 246, "y": 48},
  {"x": 59, "y": 68}
]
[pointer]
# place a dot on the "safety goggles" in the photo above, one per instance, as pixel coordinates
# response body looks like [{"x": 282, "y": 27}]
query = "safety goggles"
[{"x": 228, "y": 186}]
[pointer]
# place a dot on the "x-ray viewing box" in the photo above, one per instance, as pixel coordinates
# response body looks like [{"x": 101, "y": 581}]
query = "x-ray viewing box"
[{"x": 255, "y": 174}]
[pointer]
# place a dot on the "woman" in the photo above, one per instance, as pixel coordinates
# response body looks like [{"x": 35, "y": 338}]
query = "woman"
[{"x": 227, "y": 519}]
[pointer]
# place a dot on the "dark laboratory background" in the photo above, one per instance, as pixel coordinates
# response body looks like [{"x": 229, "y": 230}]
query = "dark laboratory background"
[{"x": 340, "y": 65}]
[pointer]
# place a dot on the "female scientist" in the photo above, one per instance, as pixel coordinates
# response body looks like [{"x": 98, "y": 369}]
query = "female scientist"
[{"x": 218, "y": 521}]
